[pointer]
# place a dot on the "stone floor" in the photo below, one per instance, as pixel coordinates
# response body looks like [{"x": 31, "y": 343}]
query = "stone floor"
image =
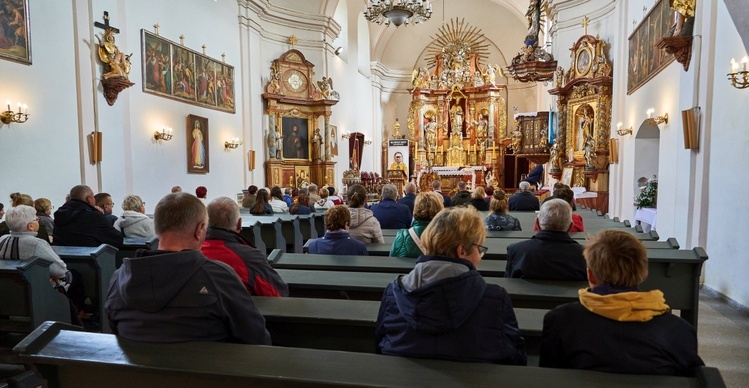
[{"x": 723, "y": 334}]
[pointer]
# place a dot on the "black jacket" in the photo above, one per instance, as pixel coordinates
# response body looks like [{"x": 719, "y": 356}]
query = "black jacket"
[
  {"x": 462, "y": 197},
  {"x": 524, "y": 201},
  {"x": 448, "y": 317},
  {"x": 576, "y": 338},
  {"x": 548, "y": 255},
  {"x": 408, "y": 200},
  {"x": 79, "y": 224}
]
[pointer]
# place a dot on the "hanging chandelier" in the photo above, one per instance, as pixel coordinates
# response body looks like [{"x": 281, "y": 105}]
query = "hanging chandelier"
[{"x": 397, "y": 11}]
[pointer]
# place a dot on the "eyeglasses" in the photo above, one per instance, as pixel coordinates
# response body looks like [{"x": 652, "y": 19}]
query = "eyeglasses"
[{"x": 482, "y": 249}]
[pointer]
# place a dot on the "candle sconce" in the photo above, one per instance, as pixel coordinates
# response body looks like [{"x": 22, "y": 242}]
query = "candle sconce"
[{"x": 9, "y": 116}]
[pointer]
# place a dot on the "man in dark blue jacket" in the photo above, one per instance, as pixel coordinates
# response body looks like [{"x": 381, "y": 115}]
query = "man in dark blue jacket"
[
  {"x": 79, "y": 223},
  {"x": 524, "y": 200},
  {"x": 176, "y": 294},
  {"x": 391, "y": 214},
  {"x": 437, "y": 188},
  {"x": 410, "y": 196}
]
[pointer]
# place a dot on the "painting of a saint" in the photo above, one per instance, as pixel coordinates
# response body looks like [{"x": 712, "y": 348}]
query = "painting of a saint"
[
  {"x": 295, "y": 138},
  {"x": 584, "y": 120},
  {"x": 183, "y": 73},
  {"x": 158, "y": 67},
  {"x": 14, "y": 30},
  {"x": 205, "y": 80},
  {"x": 197, "y": 144}
]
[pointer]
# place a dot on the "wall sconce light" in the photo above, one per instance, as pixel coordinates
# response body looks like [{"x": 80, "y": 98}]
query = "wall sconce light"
[
  {"x": 613, "y": 151},
  {"x": 658, "y": 120},
  {"x": 622, "y": 132},
  {"x": 339, "y": 50},
  {"x": 251, "y": 159},
  {"x": 20, "y": 117},
  {"x": 739, "y": 79},
  {"x": 165, "y": 134},
  {"x": 234, "y": 143},
  {"x": 345, "y": 135},
  {"x": 367, "y": 141}
]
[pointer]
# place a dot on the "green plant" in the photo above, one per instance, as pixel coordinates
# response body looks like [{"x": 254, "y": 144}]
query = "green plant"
[{"x": 648, "y": 196}]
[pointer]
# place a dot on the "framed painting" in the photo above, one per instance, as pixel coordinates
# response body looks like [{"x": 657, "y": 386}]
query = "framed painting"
[
  {"x": 173, "y": 71},
  {"x": 198, "y": 156},
  {"x": 333, "y": 141},
  {"x": 645, "y": 59},
  {"x": 15, "y": 40},
  {"x": 567, "y": 175},
  {"x": 295, "y": 133},
  {"x": 301, "y": 176}
]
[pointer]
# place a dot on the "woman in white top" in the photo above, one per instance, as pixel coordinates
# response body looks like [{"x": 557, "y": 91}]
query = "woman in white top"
[
  {"x": 134, "y": 222},
  {"x": 324, "y": 202},
  {"x": 276, "y": 201}
]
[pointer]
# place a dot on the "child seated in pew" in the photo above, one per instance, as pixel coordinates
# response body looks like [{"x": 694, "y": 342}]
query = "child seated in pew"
[
  {"x": 615, "y": 327},
  {"x": 337, "y": 240},
  {"x": 443, "y": 308}
]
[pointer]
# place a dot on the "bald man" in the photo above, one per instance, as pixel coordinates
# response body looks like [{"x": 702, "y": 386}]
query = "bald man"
[{"x": 79, "y": 222}]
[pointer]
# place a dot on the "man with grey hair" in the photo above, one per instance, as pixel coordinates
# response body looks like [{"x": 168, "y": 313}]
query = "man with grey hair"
[
  {"x": 409, "y": 196},
  {"x": 176, "y": 294},
  {"x": 80, "y": 223},
  {"x": 551, "y": 254},
  {"x": 524, "y": 200},
  {"x": 224, "y": 243},
  {"x": 462, "y": 197},
  {"x": 391, "y": 214}
]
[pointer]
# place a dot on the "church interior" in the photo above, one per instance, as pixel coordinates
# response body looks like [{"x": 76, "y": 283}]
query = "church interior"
[{"x": 604, "y": 94}]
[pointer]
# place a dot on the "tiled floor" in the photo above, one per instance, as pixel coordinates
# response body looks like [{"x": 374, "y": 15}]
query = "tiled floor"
[{"x": 723, "y": 334}]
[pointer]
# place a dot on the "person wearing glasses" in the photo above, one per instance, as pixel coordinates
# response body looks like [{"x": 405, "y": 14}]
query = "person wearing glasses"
[
  {"x": 443, "y": 308},
  {"x": 550, "y": 254}
]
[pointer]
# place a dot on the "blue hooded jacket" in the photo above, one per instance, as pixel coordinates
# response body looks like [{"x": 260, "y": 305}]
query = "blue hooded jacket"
[{"x": 444, "y": 309}]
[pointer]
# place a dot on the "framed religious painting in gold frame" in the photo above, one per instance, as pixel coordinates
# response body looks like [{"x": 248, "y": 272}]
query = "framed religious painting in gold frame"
[
  {"x": 15, "y": 42},
  {"x": 295, "y": 132},
  {"x": 197, "y": 145}
]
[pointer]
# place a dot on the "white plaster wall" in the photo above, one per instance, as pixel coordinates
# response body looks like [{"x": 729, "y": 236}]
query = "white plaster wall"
[
  {"x": 728, "y": 216},
  {"x": 41, "y": 157}
]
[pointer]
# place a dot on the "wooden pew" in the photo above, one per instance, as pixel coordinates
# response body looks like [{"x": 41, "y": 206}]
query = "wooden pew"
[
  {"x": 538, "y": 294},
  {"x": 291, "y": 231},
  {"x": 339, "y": 324},
  {"x": 28, "y": 298},
  {"x": 252, "y": 232},
  {"x": 96, "y": 266},
  {"x": 498, "y": 246},
  {"x": 270, "y": 231},
  {"x": 528, "y": 233},
  {"x": 66, "y": 357},
  {"x": 401, "y": 265},
  {"x": 130, "y": 245}
]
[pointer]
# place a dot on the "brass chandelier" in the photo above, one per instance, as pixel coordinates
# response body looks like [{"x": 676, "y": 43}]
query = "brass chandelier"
[{"x": 397, "y": 11}]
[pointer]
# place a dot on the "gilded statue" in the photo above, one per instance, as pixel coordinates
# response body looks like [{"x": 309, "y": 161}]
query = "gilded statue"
[
  {"x": 431, "y": 134},
  {"x": 517, "y": 140},
  {"x": 482, "y": 126},
  {"x": 119, "y": 63},
  {"x": 556, "y": 156},
  {"x": 326, "y": 87},
  {"x": 274, "y": 85},
  {"x": 490, "y": 74},
  {"x": 683, "y": 9},
  {"x": 457, "y": 119},
  {"x": 560, "y": 76},
  {"x": 543, "y": 143},
  {"x": 418, "y": 77},
  {"x": 590, "y": 152}
]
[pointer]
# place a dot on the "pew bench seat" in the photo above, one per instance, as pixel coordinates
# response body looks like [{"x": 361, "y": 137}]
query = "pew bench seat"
[{"x": 72, "y": 358}]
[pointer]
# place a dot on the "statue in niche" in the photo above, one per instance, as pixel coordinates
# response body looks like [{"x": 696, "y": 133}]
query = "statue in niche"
[
  {"x": 482, "y": 126},
  {"x": 317, "y": 142},
  {"x": 590, "y": 152},
  {"x": 431, "y": 133},
  {"x": 457, "y": 119},
  {"x": 556, "y": 156},
  {"x": 271, "y": 143}
]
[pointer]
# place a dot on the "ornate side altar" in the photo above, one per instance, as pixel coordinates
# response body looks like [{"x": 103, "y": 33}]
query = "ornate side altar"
[
  {"x": 298, "y": 150},
  {"x": 584, "y": 104},
  {"x": 458, "y": 115}
]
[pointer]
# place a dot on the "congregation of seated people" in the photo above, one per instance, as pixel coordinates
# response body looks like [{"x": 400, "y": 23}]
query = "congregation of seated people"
[{"x": 198, "y": 285}]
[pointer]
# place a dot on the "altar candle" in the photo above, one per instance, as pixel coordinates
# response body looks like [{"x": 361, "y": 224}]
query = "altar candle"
[
  {"x": 734, "y": 66},
  {"x": 744, "y": 61}
]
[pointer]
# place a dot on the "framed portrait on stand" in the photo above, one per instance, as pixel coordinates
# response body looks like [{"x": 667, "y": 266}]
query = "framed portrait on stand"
[
  {"x": 567, "y": 175},
  {"x": 197, "y": 145}
]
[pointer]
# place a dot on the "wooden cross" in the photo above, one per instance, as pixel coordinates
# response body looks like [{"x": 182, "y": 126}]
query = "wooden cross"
[
  {"x": 156, "y": 27},
  {"x": 182, "y": 39},
  {"x": 105, "y": 25},
  {"x": 203, "y": 49},
  {"x": 585, "y": 25}
]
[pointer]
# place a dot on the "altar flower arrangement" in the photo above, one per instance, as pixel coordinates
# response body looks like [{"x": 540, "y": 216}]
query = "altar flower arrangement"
[{"x": 648, "y": 194}]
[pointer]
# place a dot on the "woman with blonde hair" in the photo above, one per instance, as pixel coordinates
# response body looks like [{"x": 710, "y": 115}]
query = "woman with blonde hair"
[
  {"x": 478, "y": 199},
  {"x": 134, "y": 222},
  {"x": 407, "y": 242},
  {"x": 499, "y": 219},
  {"x": 443, "y": 308},
  {"x": 324, "y": 202},
  {"x": 43, "y": 208}
]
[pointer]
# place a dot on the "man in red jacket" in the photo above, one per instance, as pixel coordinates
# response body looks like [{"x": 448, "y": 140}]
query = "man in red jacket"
[{"x": 223, "y": 243}]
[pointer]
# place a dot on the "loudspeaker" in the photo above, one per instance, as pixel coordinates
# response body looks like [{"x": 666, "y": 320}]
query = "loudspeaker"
[{"x": 690, "y": 123}]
